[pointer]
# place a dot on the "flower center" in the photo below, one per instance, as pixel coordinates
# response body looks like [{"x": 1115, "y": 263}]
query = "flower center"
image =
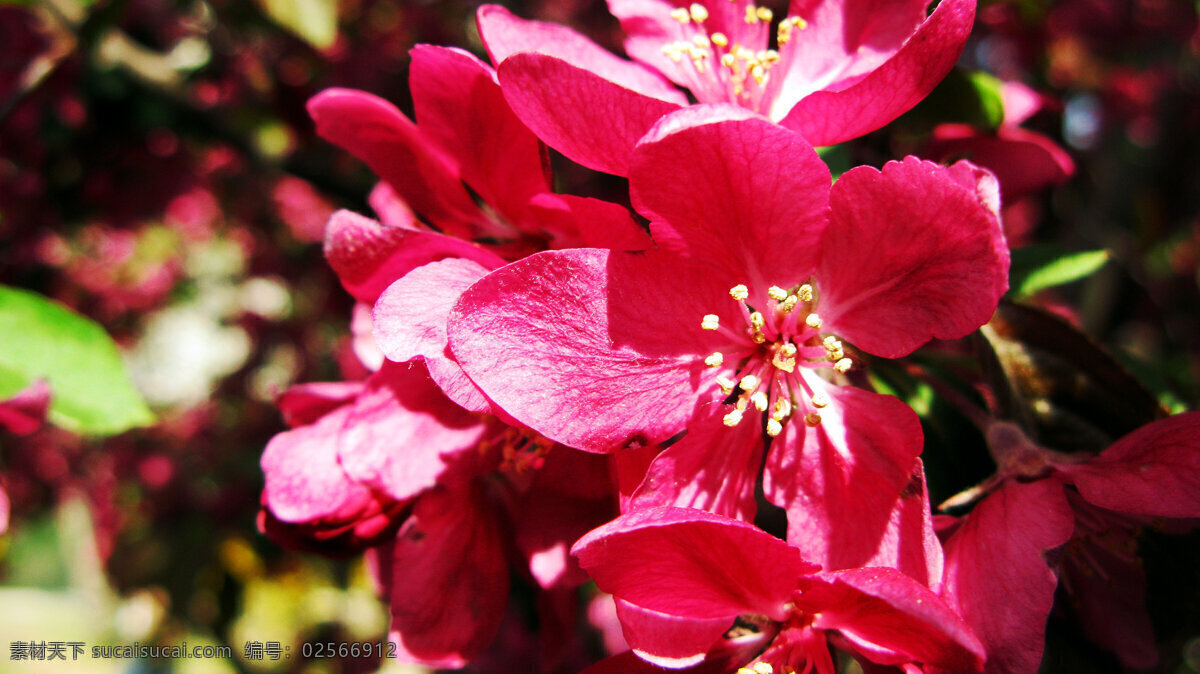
[
  {"x": 719, "y": 69},
  {"x": 765, "y": 354}
]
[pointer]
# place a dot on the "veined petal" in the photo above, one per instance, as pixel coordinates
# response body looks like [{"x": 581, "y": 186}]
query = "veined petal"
[
  {"x": 827, "y": 117},
  {"x": 504, "y": 35},
  {"x": 733, "y": 191},
  {"x": 705, "y": 566},
  {"x": 668, "y": 641},
  {"x": 588, "y": 118},
  {"x": 410, "y": 316},
  {"x": 305, "y": 404},
  {"x": 712, "y": 468},
  {"x": 912, "y": 253},
  {"x": 1153, "y": 471},
  {"x": 997, "y": 575},
  {"x": 560, "y": 335},
  {"x": 892, "y": 617},
  {"x": 459, "y": 106},
  {"x": 368, "y": 256},
  {"x": 585, "y": 222},
  {"x": 376, "y": 132},
  {"x": 446, "y": 578},
  {"x": 402, "y": 434},
  {"x": 304, "y": 480},
  {"x": 840, "y": 481}
]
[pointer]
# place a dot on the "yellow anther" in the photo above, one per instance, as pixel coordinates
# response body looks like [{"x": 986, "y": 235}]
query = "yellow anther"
[
  {"x": 776, "y": 293},
  {"x": 770, "y": 56},
  {"x": 760, "y": 401},
  {"x": 733, "y": 418},
  {"x": 813, "y": 419},
  {"x": 714, "y": 359},
  {"x": 727, "y": 60},
  {"x": 751, "y": 15},
  {"x": 774, "y": 428},
  {"x": 788, "y": 350},
  {"x": 759, "y": 74},
  {"x": 805, "y": 293},
  {"x": 674, "y": 53},
  {"x": 681, "y": 15},
  {"x": 701, "y": 41},
  {"x": 800, "y": 23},
  {"x": 813, "y": 321},
  {"x": 748, "y": 383},
  {"x": 788, "y": 304},
  {"x": 720, "y": 39},
  {"x": 820, "y": 399},
  {"x": 843, "y": 365},
  {"x": 726, "y": 384},
  {"x": 710, "y": 322},
  {"x": 757, "y": 321},
  {"x": 765, "y": 15},
  {"x": 698, "y": 12},
  {"x": 783, "y": 407},
  {"x": 831, "y": 343}
]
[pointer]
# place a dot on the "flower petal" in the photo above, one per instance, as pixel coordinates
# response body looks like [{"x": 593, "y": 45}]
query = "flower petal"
[
  {"x": 741, "y": 195},
  {"x": 913, "y": 252},
  {"x": 303, "y": 479},
  {"x": 410, "y": 316},
  {"x": 459, "y": 106},
  {"x": 668, "y": 641},
  {"x": 1153, "y": 471},
  {"x": 705, "y": 566},
  {"x": 584, "y": 222},
  {"x": 376, "y": 132},
  {"x": 504, "y": 35},
  {"x": 586, "y": 117},
  {"x": 25, "y": 412},
  {"x": 712, "y": 468},
  {"x": 446, "y": 579},
  {"x": 1024, "y": 161},
  {"x": 402, "y": 434},
  {"x": 305, "y": 404},
  {"x": 892, "y": 617},
  {"x": 368, "y": 256},
  {"x": 839, "y": 113},
  {"x": 997, "y": 575},
  {"x": 557, "y": 336},
  {"x": 840, "y": 481}
]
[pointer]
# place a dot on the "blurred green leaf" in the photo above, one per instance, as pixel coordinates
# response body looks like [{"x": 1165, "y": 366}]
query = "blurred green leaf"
[
  {"x": 90, "y": 390},
  {"x": 966, "y": 97},
  {"x": 314, "y": 21},
  {"x": 1035, "y": 268},
  {"x": 988, "y": 97}
]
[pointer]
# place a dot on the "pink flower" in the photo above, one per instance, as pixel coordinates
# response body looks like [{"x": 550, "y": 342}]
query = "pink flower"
[
  {"x": 842, "y": 68},
  {"x": 997, "y": 555},
  {"x": 25, "y": 412},
  {"x": 710, "y": 571},
  {"x": 733, "y": 329}
]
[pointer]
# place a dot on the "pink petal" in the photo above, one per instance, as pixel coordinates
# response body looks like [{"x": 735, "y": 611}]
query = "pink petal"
[
  {"x": 5, "y": 508},
  {"x": 446, "y": 579},
  {"x": 304, "y": 480},
  {"x": 840, "y": 481},
  {"x": 457, "y": 386},
  {"x": 712, "y": 468},
  {"x": 588, "y": 118},
  {"x": 368, "y": 256},
  {"x": 584, "y": 222},
  {"x": 390, "y": 208},
  {"x": 997, "y": 575},
  {"x": 830, "y": 117},
  {"x": 410, "y": 316},
  {"x": 459, "y": 106},
  {"x": 558, "y": 335},
  {"x": 376, "y": 132},
  {"x": 705, "y": 566},
  {"x": 912, "y": 253},
  {"x": 304, "y": 404},
  {"x": 402, "y": 434},
  {"x": 893, "y": 618},
  {"x": 362, "y": 338},
  {"x": 1153, "y": 471},
  {"x": 1024, "y": 161},
  {"x": 504, "y": 34},
  {"x": 741, "y": 195},
  {"x": 910, "y": 544},
  {"x": 666, "y": 640},
  {"x": 25, "y": 412}
]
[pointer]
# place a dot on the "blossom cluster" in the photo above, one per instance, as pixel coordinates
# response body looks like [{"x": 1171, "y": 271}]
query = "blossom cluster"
[{"x": 561, "y": 388}]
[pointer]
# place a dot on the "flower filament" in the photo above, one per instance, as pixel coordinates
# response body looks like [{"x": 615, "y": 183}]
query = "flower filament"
[
  {"x": 760, "y": 370},
  {"x": 718, "y": 68}
]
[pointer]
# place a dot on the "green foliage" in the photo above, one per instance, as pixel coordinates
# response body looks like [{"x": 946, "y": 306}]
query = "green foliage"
[
  {"x": 1035, "y": 268},
  {"x": 968, "y": 97},
  {"x": 90, "y": 390}
]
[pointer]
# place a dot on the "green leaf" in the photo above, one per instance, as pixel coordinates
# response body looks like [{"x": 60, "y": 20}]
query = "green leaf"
[
  {"x": 988, "y": 98},
  {"x": 90, "y": 390},
  {"x": 314, "y": 21},
  {"x": 1035, "y": 268}
]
